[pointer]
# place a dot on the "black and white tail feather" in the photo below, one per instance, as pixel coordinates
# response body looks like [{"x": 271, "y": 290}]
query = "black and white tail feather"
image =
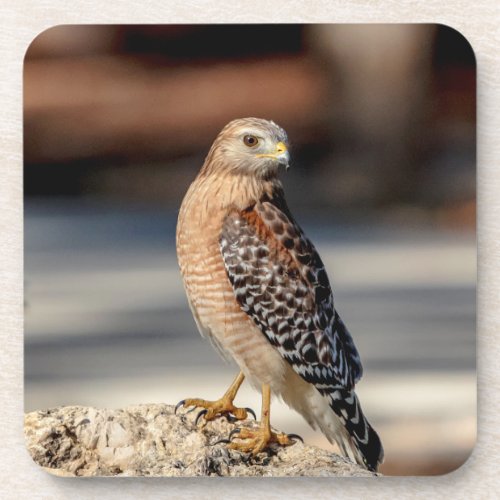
[
  {"x": 280, "y": 281},
  {"x": 360, "y": 443}
]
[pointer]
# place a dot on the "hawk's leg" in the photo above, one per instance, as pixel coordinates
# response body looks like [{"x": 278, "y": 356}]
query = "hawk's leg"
[
  {"x": 222, "y": 406},
  {"x": 254, "y": 441}
]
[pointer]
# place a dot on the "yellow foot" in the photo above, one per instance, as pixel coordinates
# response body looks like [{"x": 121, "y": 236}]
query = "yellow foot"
[
  {"x": 213, "y": 409},
  {"x": 256, "y": 440}
]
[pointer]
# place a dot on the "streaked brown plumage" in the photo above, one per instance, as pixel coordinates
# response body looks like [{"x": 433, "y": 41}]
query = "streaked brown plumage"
[{"x": 259, "y": 291}]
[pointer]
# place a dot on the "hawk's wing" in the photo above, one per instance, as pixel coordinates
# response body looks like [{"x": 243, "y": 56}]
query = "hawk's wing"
[{"x": 280, "y": 282}]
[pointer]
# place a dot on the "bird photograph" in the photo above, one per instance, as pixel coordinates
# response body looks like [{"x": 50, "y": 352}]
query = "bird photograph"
[{"x": 250, "y": 250}]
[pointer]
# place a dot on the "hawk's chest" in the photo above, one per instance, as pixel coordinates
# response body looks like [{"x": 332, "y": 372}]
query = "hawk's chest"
[
  {"x": 208, "y": 289},
  {"x": 210, "y": 293},
  {"x": 198, "y": 250}
]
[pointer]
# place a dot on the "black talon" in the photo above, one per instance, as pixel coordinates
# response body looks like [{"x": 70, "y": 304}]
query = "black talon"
[
  {"x": 221, "y": 441},
  {"x": 233, "y": 432},
  {"x": 191, "y": 410},
  {"x": 230, "y": 418},
  {"x": 178, "y": 405},
  {"x": 294, "y": 436},
  {"x": 202, "y": 412},
  {"x": 249, "y": 410}
]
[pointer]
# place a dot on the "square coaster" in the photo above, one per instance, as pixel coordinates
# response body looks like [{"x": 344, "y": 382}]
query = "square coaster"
[{"x": 301, "y": 195}]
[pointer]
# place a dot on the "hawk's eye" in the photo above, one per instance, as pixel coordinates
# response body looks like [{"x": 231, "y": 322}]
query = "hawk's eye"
[{"x": 250, "y": 141}]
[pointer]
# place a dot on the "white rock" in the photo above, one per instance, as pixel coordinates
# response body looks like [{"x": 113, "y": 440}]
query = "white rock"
[{"x": 149, "y": 440}]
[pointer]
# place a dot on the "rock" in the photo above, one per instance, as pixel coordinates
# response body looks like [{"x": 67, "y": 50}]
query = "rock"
[{"x": 149, "y": 440}]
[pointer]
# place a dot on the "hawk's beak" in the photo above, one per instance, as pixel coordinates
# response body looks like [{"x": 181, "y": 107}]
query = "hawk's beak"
[{"x": 281, "y": 154}]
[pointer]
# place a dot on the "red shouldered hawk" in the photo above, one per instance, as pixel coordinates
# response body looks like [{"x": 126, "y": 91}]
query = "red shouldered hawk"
[{"x": 259, "y": 291}]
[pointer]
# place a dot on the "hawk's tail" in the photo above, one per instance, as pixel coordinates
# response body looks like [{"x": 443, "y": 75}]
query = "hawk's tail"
[
  {"x": 338, "y": 414},
  {"x": 357, "y": 439}
]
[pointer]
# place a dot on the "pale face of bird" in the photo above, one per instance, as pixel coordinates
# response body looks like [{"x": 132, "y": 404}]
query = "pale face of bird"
[{"x": 252, "y": 146}]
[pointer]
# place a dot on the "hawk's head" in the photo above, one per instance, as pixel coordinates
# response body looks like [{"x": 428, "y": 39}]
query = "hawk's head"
[{"x": 250, "y": 146}]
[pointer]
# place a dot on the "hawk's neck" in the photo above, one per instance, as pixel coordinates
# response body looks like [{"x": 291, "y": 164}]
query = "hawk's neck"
[{"x": 226, "y": 192}]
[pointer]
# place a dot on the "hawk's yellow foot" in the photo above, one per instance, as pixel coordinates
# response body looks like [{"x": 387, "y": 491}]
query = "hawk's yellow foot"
[
  {"x": 222, "y": 406},
  {"x": 256, "y": 440}
]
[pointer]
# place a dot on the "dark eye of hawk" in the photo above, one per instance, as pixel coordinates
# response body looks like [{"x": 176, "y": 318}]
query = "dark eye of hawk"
[{"x": 250, "y": 140}]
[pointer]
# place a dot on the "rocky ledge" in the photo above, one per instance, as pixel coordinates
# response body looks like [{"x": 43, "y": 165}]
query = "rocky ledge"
[{"x": 150, "y": 440}]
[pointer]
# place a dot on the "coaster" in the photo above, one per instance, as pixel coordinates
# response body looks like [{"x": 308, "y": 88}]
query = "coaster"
[{"x": 301, "y": 195}]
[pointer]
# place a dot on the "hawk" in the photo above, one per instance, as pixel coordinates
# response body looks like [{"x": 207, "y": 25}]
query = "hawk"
[{"x": 259, "y": 291}]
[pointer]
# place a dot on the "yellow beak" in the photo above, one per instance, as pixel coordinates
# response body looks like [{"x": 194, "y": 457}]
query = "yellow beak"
[
  {"x": 281, "y": 148},
  {"x": 281, "y": 154}
]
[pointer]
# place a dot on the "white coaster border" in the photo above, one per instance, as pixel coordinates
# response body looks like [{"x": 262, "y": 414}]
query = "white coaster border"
[{"x": 20, "y": 23}]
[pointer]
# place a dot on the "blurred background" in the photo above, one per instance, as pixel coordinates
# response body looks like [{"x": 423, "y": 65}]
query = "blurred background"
[{"x": 117, "y": 121}]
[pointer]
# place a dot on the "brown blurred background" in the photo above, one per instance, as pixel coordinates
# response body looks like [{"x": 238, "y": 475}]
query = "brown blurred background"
[
  {"x": 379, "y": 115},
  {"x": 381, "y": 118}
]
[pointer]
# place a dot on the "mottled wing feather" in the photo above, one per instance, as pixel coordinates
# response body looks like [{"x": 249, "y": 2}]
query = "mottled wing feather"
[{"x": 280, "y": 282}]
